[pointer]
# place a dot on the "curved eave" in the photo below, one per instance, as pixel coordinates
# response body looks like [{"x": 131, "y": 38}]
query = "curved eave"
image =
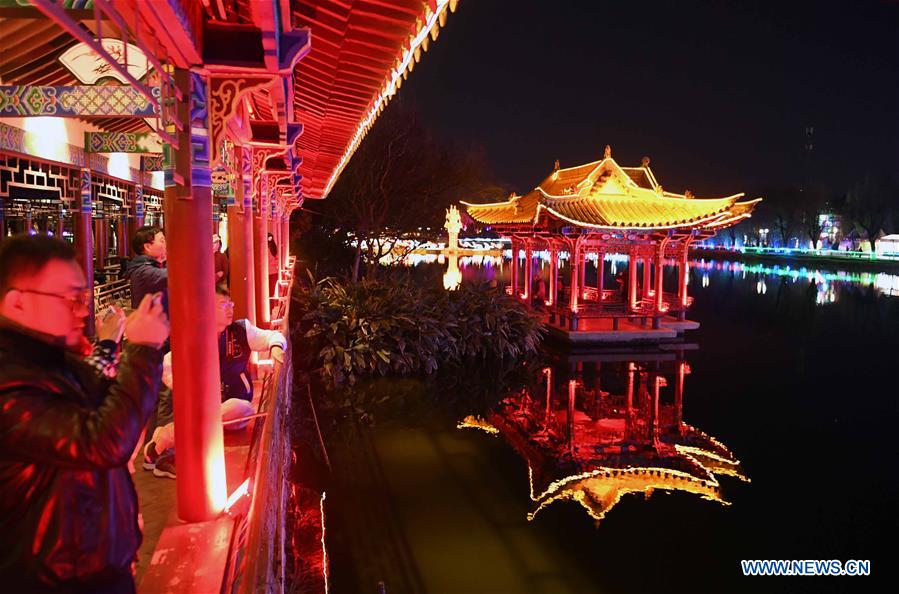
[{"x": 699, "y": 223}]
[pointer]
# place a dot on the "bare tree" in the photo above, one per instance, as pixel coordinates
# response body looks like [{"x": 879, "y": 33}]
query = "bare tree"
[
  {"x": 398, "y": 185},
  {"x": 871, "y": 203},
  {"x": 812, "y": 205},
  {"x": 786, "y": 212}
]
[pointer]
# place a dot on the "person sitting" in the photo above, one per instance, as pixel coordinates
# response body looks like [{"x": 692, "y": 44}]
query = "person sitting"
[
  {"x": 237, "y": 340},
  {"x": 68, "y": 509}
]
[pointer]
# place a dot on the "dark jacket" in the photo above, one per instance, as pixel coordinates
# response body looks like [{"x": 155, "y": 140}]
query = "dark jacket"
[
  {"x": 146, "y": 275},
  {"x": 68, "y": 508}
]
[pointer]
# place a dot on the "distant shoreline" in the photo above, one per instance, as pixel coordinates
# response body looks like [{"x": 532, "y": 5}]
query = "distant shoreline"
[{"x": 891, "y": 266}]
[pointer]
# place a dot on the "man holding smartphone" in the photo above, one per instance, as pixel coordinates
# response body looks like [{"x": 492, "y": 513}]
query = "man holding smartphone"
[{"x": 68, "y": 509}]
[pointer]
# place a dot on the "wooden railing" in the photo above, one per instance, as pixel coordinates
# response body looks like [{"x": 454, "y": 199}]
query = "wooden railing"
[
  {"x": 256, "y": 560},
  {"x": 117, "y": 292}
]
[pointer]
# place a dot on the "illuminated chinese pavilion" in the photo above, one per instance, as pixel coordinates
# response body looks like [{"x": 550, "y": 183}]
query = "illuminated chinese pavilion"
[
  {"x": 595, "y": 440},
  {"x": 598, "y": 209}
]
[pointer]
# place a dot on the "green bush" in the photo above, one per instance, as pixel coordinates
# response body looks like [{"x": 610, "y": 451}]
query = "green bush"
[{"x": 396, "y": 327}]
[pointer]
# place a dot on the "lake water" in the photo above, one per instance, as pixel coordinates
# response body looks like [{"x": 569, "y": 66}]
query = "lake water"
[{"x": 794, "y": 373}]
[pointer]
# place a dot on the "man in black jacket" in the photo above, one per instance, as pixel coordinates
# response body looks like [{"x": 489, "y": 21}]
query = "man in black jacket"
[
  {"x": 68, "y": 508},
  {"x": 146, "y": 271}
]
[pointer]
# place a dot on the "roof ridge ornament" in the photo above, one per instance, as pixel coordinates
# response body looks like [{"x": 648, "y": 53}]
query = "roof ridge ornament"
[
  {"x": 607, "y": 153},
  {"x": 556, "y": 165},
  {"x": 644, "y": 162}
]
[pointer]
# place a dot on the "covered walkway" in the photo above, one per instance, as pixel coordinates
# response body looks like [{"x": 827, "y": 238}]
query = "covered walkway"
[{"x": 201, "y": 118}]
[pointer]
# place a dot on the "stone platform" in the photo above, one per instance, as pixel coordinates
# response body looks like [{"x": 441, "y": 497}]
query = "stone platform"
[{"x": 601, "y": 331}]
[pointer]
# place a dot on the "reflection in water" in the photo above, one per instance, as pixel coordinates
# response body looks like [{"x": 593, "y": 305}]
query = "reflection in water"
[
  {"x": 826, "y": 282},
  {"x": 596, "y": 427}
]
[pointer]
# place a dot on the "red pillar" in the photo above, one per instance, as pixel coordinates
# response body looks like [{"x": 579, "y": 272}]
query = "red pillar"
[
  {"x": 647, "y": 278},
  {"x": 600, "y": 274},
  {"x": 514, "y": 270},
  {"x": 122, "y": 234},
  {"x": 99, "y": 242},
  {"x": 285, "y": 239},
  {"x": 632, "y": 280},
  {"x": 574, "y": 261},
  {"x": 240, "y": 239},
  {"x": 201, "y": 489},
  {"x": 553, "y": 274},
  {"x": 2, "y": 219},
  {"x": 660, "y": 277},
  {"x": 260, "y": 254},
  {"x": 84, "y": 240},
  {"x": 528, "y": 271},
  {"x": 582, "y": 274},
  {"x": 683, "y": 276}
]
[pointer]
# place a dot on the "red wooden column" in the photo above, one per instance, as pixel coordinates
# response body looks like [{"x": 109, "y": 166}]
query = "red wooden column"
[
  {"x": 647, "y": 278},
  {"x": 274, "y": 227},
  {"x": 574, "y": 261},
  {"x": 600, "y": 274},
  {"x": 84, "y": 240},
  {"x": 514, "y": 271},
  {"x": 260, "y": 253},
  {"x": 528, "y": 271},
  {"x": 582, "y": 274},
  {"x": 632, "y": 280},
  {"x": 553, "y": 274},
  {"x": 201, "y": 489},
  {"x": 122, "y": 233},
  {"x": 100, "y": 246},
  {"x": 60, "y": 221},
  {"x": 285, "y": 239},
  {"x": 683, "y": 278},
  {"x": 660, "y": 277},
  {"x": 240, "y": 239}
]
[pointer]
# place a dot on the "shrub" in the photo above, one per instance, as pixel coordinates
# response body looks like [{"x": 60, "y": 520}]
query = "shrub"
[{"x": 396, "y": 327}]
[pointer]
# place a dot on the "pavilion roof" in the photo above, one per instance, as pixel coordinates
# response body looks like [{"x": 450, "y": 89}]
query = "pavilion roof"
[{"x": 605, "y": 195}]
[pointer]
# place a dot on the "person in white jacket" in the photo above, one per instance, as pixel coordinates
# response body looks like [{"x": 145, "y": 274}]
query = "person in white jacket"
[{"x": 237, "y": 341}]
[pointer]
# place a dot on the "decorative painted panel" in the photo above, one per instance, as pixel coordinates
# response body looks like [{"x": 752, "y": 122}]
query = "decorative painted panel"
[
  {"x": 121, "y": 142},
  {"x": 151, "y": 163},
  {"x": 75, "y": 101},
  {"x": 225, "y": 94},
  {"x": 199, "y": 133}
]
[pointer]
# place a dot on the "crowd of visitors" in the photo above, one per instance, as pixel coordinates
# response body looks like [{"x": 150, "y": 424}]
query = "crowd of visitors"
[{"x": 72, "y": 411}]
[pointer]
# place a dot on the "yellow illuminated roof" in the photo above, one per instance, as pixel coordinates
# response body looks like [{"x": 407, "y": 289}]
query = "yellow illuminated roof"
[{"x": 604, "y": 195}]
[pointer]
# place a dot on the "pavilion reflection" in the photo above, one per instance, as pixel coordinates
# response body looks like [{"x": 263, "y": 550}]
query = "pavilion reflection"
[{"x": 593, "y": 428}]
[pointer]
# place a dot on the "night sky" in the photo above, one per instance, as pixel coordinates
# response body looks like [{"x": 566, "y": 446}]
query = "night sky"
[{"x": 717, "y": 93}]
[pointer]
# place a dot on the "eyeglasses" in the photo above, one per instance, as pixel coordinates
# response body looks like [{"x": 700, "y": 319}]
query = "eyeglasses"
[
  {"x": 80, "y": 300},
  {"x": 225, "y": 303}
]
